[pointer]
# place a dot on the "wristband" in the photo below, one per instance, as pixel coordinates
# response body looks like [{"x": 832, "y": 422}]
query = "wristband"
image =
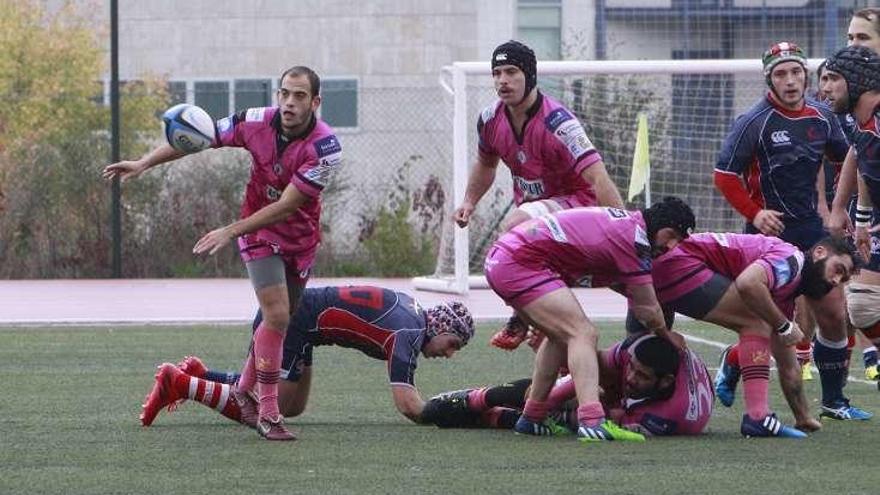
[
  {"x": 863, "y": 216},
  {"x": 784, "y": 329}
]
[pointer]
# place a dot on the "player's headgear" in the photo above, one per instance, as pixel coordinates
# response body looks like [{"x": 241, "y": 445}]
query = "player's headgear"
[
  {"x": 658, "y": 354},
  {"x": 784, "y": 51},
  {"x": 519, "y": 55},
  {"x": 450, "y": 317},
  {"x": 670, "y": 212},
  {"x": 860, "y": 67}
]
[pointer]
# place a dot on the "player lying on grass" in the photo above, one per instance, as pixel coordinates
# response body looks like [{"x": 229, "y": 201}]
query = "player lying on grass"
[
  {"x": 649, "y": 386},
  {"x": 381, "y": 323},
  {"x": 532, "y": 267},
  {"x": 748, "y": 283}
]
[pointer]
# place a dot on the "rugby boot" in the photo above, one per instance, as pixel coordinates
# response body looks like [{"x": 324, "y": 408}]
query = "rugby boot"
[
  {"x": 162, "y": 395},
  {"x": 274, "y": 429},
  {"x": 608, "y": 431},
  {"x": 769, "y": 426},
  {"x": 843, "y": 411},
  {"x": 726, "y": 379}
]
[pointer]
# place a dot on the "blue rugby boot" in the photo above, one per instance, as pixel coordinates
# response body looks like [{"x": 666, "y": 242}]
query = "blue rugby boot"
[
  {"x": 843, "y": 411},
  {"x": 726, "y": 379},
  {"x": 770, "y": 426}
]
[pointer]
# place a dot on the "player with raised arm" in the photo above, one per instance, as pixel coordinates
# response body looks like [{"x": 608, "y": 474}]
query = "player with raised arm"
[
  {"x": 293, "y": 153},
  {"x": 532, "y": 267},
  {"x": 552, "y": 161},
  {"x": 649, "y": 386},
  {"x": 853, "y": 87},
  {"x": 381, "y": 323},
  {"x": 768, "y": 170}
]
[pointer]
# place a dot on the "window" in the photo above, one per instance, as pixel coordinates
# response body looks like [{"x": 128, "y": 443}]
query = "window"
[
  {"x": 213, "y": 96},
  {"x": 539, "y": 25},
  {"x": 339, "y": 106},
  {"x": 176, "y": 92},
  {"x": 251, "y": 93}
]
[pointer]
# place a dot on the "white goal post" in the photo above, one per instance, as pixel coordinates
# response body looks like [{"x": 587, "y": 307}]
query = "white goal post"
[{"x": 460, "y": 280}]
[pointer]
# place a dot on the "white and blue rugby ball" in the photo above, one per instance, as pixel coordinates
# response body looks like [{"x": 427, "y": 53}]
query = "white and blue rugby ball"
[{"x": 188, "y": 128}]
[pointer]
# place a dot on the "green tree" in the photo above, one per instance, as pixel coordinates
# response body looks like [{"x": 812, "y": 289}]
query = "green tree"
[{"x": 54, "y": 141}]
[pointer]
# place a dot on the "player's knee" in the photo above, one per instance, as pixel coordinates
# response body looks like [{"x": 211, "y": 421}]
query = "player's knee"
[{"x": 276, "y": 316}]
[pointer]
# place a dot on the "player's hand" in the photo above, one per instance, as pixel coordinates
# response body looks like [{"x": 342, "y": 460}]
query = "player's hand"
[
  {"x": 863, "y": 241},
  {"x": 793, "y": 337},
  {"x": 463, "y": 214},
  {"x": 124, "y": 170},
  {"x": 808, "y": 425},
  {"x": 675, "y": 338},
  {"x": 839, "y": 223},
  {"x": 769, "y": 222},
  {"x": 213, "y": 241}
]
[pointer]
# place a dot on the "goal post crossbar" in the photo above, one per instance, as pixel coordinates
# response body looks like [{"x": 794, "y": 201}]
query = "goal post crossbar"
[{"x": 460, "y": 281}]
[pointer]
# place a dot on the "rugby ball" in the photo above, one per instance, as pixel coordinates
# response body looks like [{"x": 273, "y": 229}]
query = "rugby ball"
[{"x": 188, "y": 128}]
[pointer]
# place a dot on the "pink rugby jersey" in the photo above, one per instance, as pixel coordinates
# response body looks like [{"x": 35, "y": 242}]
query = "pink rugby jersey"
[
  {"x": 547, "y": 160},
  {"x": 305, "y": 161},
  {"x": 686, "y": 412},
  {"x": 693, "y": 261},
  {"x": 585, "y": 244}
]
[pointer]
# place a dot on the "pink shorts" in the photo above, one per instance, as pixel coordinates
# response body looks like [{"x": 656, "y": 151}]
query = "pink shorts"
[{"x": 518, "y": 283}]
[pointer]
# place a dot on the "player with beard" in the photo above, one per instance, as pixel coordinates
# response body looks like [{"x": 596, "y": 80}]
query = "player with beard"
[
  {"x": 853, "y": 87},
  {"x": 532, "y": 267},
  {"x": 649, "y": 386},
  {"x": 748, "y": 283},
  {"x": 293, "y": 154},
  {"x": 768, "y": 170}
]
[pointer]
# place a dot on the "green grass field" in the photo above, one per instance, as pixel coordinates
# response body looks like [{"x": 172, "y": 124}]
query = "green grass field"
[{"x": 69, "y": 424}]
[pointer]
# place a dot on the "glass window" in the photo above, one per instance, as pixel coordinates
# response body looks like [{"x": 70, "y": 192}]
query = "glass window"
[
  {"x": 250, "y": 93},
  {"x": 176, "y": 92},
  {"x": 339, "y": 104},
  {"x": 539, "y": 25},
  {"x": 213, "y": 97}
]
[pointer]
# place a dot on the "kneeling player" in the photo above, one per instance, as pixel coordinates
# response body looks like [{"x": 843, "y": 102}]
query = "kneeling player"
[
  {"x": 381, "y": 323},
  {"x": 649, "y": 387}
]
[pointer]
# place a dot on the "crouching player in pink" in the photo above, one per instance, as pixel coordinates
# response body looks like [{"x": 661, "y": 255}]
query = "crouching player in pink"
[
  {"x": 649, "y": 386},
  {"x": 748, "y": 283},
  {"x": 381, "y": 323},
  {"x": 531, "y": 268}
]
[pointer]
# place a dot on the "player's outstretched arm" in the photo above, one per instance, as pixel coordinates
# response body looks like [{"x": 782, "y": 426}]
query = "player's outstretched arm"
[
  {"x": 644, "y": 305},
  {"x": 291, "y": 199},
  {"x": 131, "y": 169},
  {"x": 754, "y": 287},
  {"x": 479, "y": 181},
  {"x": 606, "y": 192},
  {"x": 408, "y": 402}
]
